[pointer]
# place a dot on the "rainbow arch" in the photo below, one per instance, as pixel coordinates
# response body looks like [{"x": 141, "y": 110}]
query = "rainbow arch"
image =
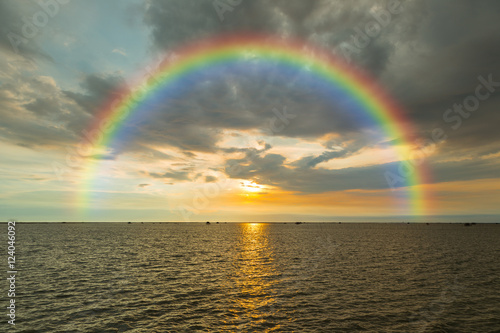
[{"x": 374, "y": 102}]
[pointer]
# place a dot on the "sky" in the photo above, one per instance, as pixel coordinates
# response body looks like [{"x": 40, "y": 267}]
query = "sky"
[{"x": 63, "y": 60}]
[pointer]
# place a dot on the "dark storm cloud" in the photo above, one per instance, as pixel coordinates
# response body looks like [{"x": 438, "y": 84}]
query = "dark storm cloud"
[
  {"x": 195, "y": 121},
  {"x": 452, "y": 44},
  {"x": 175, "y": 22},
  {"x": 239, "y": 102},
  {"x": 474, "y": 136},
  {"x": 180, "y": 21},
  {"x": 429, "y": 57},
  {"x": 97, "y": 90},
  {"x": 324, "y": 23}
]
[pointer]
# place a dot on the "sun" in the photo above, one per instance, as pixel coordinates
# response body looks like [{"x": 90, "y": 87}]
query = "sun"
[{"x": 249, "y": 186}]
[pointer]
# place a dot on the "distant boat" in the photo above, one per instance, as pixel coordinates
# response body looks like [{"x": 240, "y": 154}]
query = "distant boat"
[
  {"x": 467, "y": 224},
  {"x": 298, "y": 222},
  {"x": 207, "y": 222}
]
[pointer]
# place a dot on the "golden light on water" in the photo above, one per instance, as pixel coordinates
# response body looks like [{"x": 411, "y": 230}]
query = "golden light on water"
[{"x": 254, "y": 265}]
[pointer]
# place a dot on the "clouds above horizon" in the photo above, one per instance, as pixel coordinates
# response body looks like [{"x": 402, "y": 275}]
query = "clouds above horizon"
[{"x": 429, "y": 57}]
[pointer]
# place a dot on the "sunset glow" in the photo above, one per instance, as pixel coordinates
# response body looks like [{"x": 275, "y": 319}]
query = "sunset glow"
[{"x": 263, "y": 123}]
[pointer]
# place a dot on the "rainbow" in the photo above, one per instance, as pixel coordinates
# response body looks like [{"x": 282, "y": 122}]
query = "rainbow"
[{"x": 210, "y": 53}]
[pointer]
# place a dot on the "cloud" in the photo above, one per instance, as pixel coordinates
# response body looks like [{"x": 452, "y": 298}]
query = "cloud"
[
  {"x": 120, "y": 51},
  {"x": 172, "y": 175},
  {"x": 210, "y": 179},
  {"x": 427, "y": 62},
  {"x": 35, "y": 112},
  {"x": 274, "y": 170},
  {"x": 97, "y": 89},
  {"x": 17, "y": 38},
  {"x": 337, "y": 149}
]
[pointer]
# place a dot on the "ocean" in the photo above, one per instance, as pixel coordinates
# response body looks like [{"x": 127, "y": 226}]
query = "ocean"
[{"x": 257, "y": 277}]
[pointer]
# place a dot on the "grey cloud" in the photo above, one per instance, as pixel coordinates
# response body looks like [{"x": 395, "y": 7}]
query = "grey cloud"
[
  {"x": 210, "y": 179},
  {"x": 273, "y": 170},
  {"x": 172, "y": 175},
  {"x": 180, "y": 21},
  {"x": 268, "y": 169},
  {"x": 338, "y": 148},
  {"x": 12, "y": 39},
  {"x": 149, "y": 154},
  {"x": 195, "y": 121},
  {"x": 30, "y": 133},
  {"x": 465, "y": 170},
  {"x": 43, "y": 106},
  {"x": 97, "y": 89},
  {"x": 36, "y": 113},
  {"x": 428, "y": 57},
  {"x": 328, "y": 23},
  {"x": 185, "y": 136},
  {"x": 312, "y": 161},
  {"x": 174, "y": 22},
  {"x": 249, "y": 152}
]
